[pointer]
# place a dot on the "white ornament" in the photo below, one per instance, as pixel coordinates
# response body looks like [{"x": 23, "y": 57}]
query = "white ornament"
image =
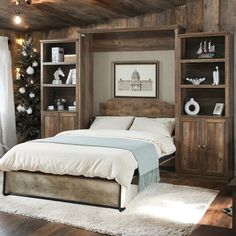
[
  {"x": 35, "y": 64},
  {"x": 194, "y": 104},
  {"x": 31, "y": 95},
  {"x": 29, "y": 111},
  {"x": 24, "y": 53},
  {"x": 22, "y": 90},
  {"x": 31, "y": 81},
  {"x": 30, "y": 70},
  {"x": 20, "y": 108}
]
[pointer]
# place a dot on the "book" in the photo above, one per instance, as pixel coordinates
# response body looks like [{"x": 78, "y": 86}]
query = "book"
[
  {"x": 73, "y": 76},
  {"x": 69, "y": 77}
]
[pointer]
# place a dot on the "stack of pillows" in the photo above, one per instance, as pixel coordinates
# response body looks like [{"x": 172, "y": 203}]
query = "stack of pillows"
[{"x": 164, "y": 126}]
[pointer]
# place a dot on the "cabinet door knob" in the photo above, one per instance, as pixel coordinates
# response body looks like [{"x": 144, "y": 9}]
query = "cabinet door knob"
[
  {"x": 199, "y": 146},
  {"x": 203, "y": 146}
]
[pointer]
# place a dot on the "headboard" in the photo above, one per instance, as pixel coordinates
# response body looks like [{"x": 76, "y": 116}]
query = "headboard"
[{"x": 137, "y": 107}]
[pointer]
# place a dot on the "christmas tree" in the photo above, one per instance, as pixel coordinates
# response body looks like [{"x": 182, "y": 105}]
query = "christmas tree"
[{"x": 27, "y": 91}]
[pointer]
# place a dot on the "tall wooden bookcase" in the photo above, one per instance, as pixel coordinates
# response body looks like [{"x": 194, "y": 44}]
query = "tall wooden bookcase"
[
  {"x": 204, "y": 141},
  {"x": 56, "y": 121}
]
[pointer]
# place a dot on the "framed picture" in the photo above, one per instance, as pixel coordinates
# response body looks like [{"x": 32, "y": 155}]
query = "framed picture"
[
  {"x": 136, "y": 79},
  {"x": 218, "y": 110}
]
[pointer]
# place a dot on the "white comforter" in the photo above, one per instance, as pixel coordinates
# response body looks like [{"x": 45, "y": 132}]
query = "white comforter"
[{"x": 110, "y": 163}]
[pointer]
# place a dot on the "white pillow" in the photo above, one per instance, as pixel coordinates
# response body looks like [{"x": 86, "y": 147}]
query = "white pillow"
[
  {"x": 164, "y": 126},
  {"x": 112, "y": 122}
]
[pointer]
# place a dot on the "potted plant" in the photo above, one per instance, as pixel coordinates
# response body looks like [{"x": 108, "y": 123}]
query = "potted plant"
[{"x": 60, "y": 104}]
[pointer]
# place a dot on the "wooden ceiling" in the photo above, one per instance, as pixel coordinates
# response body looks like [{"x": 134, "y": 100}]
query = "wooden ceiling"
[{"x": 53, "y": 14}]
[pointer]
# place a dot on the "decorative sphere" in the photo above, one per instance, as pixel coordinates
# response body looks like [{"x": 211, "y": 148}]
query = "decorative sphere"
[
  {"x": 24, "y": 53},
  {"x": 20, "y": 108},
  {"x": 31, "y": 95},
  {"x": 22, "y": 90},
  {"x": 35, "y": 64},
  {"x": 30, "y": 70},
  {"x": 31, "y": 81},
  {"x": 29, "y": 111}
]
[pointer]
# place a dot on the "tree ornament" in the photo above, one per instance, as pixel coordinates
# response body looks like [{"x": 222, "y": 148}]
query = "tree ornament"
[
  {"x": 31, "y": 81},
  {"x": 35, "y": 64},
  {"x": 29, "y": 111},
  {"x": 30, "y": 70},
  {"x": 22, "y": 90},
  {"x": 24, "y": 53},
  {"x": 20, "y": 108},
  {"x": 31, "y": 95}
]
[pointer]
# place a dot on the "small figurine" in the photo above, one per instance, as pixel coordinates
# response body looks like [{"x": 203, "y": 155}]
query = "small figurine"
[
  {"x": 196, "y": 81},
  {"x": 57, "y": 74},
  {"x": 216, "y": 76}
]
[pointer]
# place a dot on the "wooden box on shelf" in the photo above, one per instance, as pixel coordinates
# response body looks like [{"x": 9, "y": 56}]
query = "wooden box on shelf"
[{"x": 205, "y": 140}]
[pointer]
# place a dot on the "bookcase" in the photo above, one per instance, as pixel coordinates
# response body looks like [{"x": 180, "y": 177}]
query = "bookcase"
[
  {"x": 204, "y": 140},
  {"x": 77, "y": 95}
]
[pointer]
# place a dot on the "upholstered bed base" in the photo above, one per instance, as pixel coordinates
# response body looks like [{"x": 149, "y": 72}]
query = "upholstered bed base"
[{"x": 91, "y": 191}]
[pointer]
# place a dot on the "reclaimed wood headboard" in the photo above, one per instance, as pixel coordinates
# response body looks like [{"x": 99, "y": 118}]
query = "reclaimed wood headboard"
[{"x": 137, "y": 107}]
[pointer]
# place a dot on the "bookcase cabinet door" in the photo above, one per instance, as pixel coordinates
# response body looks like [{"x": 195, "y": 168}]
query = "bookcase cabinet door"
[
  {"x": 67, "y": 121},
  {"x": 215, "y": 143},
  {"x": 50, "y": 125},
  {"x": 189, "y": 146}
]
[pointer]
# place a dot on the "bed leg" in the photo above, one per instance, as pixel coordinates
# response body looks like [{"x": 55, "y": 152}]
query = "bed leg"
[
  {"x": 4, "y": 185},
  {"x": 121, "y": 209}
]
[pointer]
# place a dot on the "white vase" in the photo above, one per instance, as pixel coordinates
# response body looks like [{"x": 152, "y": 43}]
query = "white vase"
[
  {"x": 192, "y": 103},
  {"x": 60, "y": 107}
]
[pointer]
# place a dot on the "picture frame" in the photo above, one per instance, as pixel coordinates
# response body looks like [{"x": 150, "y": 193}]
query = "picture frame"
[
  {"x": 218, "y": 110},
  {"x": 136, "y": 79}
]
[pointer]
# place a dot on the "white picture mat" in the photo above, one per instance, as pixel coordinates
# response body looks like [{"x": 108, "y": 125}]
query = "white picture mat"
[{"x": 146, "y": 72}]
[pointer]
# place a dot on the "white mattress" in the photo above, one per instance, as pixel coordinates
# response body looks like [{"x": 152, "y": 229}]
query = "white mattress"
[{"x": 110, "y": 163}]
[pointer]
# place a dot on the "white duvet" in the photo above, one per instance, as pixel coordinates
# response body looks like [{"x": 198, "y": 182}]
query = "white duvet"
[{"x": 109, "y": 163}]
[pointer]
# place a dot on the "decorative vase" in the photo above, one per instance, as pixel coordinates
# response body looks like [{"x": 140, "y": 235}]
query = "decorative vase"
[
  {"x": 60, "y": 107},
  {"x": 192, "y": 107}
]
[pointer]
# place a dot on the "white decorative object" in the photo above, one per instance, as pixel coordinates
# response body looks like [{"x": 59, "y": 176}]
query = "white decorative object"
[
  {"x": 216, "y": 76},
  {"x": 31, "y": 81},
  {"x": 218, "y": 110},
  {"x": 24, "y": 53},
  {"x": 57, "y": 74},
  {"x": 51, "y": 107},
  {"x": 192, "y": 107},
  {"x": 74, "y": 103},
  {"x": 30, "y": 70},
  {"x": 206, "y": 49},
  {"x": 196, "y": 81},
  {"x": 20, "y": 108},
  {"x": 31, "y": 95},
  {"x": 35, "y": 64},
  {"x": 29, "y": 110},
  {"x": 57, "y": 54},
  {"x": 71, "y": 108},
  {"x": 22, "y": 90},
  {"x": 60, "y": 107}
]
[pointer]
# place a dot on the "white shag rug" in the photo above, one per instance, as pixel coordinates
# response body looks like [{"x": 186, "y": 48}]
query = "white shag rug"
[{"x": 160, "y": 210}]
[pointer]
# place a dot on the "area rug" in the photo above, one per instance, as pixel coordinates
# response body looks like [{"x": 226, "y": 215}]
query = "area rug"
[{"x": 160, "y": 210}]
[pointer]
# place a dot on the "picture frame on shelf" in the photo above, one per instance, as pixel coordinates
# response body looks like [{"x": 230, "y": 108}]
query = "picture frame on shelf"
[
  {"x": 219, "y": 108},
  {"x": 136, "y": 79}
]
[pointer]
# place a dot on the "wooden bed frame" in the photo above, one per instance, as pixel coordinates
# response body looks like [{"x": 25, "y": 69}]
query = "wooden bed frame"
[{"x": 83, "y": 190}]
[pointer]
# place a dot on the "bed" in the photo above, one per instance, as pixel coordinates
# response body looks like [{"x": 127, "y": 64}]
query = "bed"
[{"x": 96, "y": 190}]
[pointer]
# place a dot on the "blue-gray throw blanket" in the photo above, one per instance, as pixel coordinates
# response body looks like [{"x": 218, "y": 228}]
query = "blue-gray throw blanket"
[{"x": 144, "y": 152}]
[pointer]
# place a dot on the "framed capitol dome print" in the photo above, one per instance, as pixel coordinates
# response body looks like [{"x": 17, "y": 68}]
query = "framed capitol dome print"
[{"x": 136, "y": 79}]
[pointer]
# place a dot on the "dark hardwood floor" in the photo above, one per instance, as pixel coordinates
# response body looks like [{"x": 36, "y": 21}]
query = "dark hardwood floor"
[{"x": 213, "y": 223}]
